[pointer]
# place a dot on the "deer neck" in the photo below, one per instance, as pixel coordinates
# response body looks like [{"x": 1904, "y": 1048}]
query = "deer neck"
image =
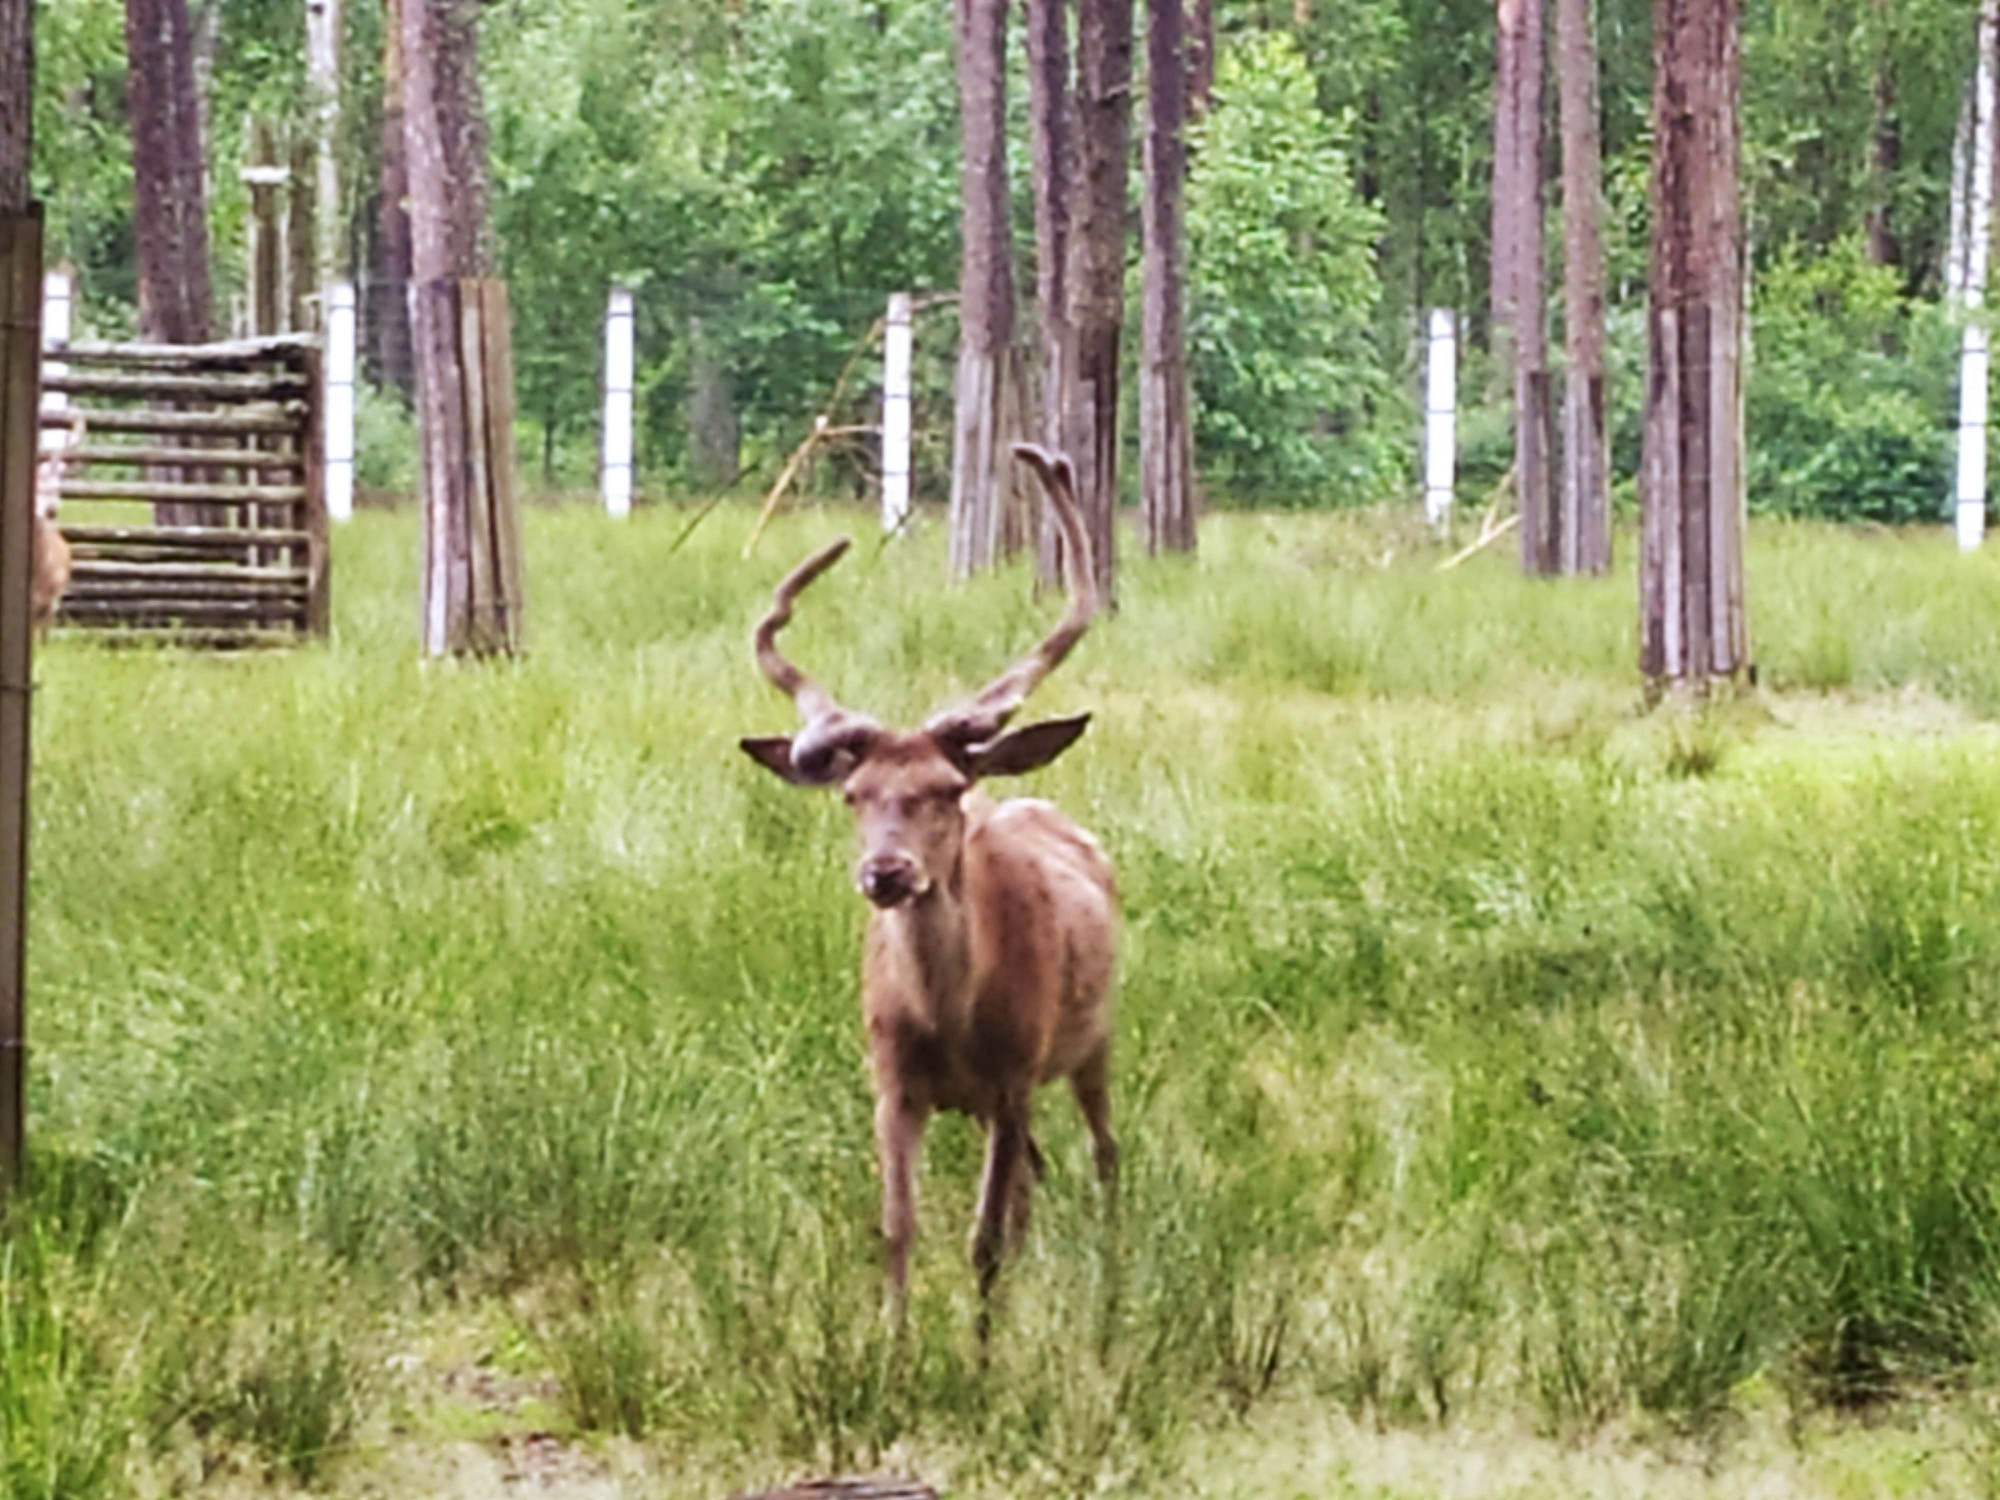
[{"x": 927, "y": 945}]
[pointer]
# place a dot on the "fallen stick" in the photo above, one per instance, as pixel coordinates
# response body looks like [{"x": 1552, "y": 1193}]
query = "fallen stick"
[{"x": 1486, "y": 539}]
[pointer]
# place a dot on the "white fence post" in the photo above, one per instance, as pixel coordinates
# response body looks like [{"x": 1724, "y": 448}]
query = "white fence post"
[
  {"x": 1971, "y": 510},
  {"x": 338, "y": 437},
  {"x": 1440, "y": 417},
  {"x": 896, "y": 346},
  {"x": 58, "y": 311},
  {"x": 617, "y": 437}
]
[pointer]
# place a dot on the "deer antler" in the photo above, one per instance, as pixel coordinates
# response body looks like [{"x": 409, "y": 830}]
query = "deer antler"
[
  {"x": 829, "y": 728},
  {"x": 985, "y": 713}
]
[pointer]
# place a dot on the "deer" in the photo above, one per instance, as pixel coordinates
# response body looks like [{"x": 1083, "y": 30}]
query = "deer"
[
  {"x": 50, "y": 560},
  {"x": 987, "y": 965}
]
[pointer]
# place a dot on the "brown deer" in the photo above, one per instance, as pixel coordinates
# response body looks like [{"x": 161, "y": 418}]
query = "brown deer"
[
  {"x": 987, "y": 967},
  {"x": 51, "y": 557}
]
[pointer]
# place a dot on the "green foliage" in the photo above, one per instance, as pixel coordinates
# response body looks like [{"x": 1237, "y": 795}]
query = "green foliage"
[
  {"x": 1290, "y": 396},
  {"x": 1849, "y": 392}
]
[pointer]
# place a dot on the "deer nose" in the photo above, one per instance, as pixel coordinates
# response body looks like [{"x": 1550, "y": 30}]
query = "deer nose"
[{"x": 889, "y": 879}]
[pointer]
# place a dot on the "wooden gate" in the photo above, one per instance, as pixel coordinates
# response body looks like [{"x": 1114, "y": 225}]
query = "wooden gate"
[{"x": 193, "y": 503}]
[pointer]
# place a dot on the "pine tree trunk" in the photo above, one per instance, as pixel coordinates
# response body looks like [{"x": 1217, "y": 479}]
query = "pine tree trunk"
[
  {"x": 1166, "y": 446},
  {"x": 1097, "y": 267},
  {"x": 1960, "y": 206},
  {"x": 393, "y": 361},
  {"x": 17, "y": 102},
  {"x": 1691, "y": 617},
  {"x": 323, "y": 74},
  {"x": 1885, "y": 150},
  {"x": 1052, "y": 143},
  {"x": 1519, "y": 343},
  {"x": 715, "y": 434},
  {"x": 1201, "y": 57},
  {"x": 985, "y": 410},
  {"x": 1585, "y": 530},
  {"x": 460, "y": 330},
  {"x": 170, "y": 210}
]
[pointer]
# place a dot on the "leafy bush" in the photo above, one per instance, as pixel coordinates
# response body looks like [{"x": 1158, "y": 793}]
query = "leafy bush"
[
  {"x": 1849, "y": 393},
  {"x": 1287, "y": 380}
]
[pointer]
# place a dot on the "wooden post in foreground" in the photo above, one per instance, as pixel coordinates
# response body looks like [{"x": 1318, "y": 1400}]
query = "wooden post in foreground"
[
  {"x": 338, "y": 434},
  {"x": 20, "y": 420},
  {"x": 1440, "y": 418},
  {"x": 897, "y": 341},
  {"x": 618, "y": 358}
]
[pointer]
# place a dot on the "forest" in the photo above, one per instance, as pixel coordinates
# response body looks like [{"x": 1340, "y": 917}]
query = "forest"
[{"x": 765, "y": 173}]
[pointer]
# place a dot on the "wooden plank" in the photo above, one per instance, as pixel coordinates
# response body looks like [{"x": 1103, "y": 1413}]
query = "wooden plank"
[
  {"x": 171, "y": 637},
  {"x": 155, "y": 609},
  {"x": 274, "y": 417},
  {"x": 184, "y": 458},
  {"x": 200, "y": 538},
  {"x": 20, "y": 404},
  {"x": 231, "y": 354},
  {"x": 166, "y": 572},
  {"x": 498, "y": 326},
  {"x": 214, "y": 583},
  {"x": 440, "y": 426},
  {"x": 312, "y": 514},
  {"x": 172, "y": 494},
  {"x": 488, "y": 632},
  {"x": 276, "y": 384}
]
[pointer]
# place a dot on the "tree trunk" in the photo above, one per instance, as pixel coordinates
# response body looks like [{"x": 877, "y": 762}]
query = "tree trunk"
[
  {"x": 715, "y": 434},
  {"x": 1585, "y": 530},
  {"x": 1052, "y": 142},
  {"x": 170, "y": 208},
  {"x": 1692, "y": 630},
  {"x": 461, "y": 332},
  {"x": 1201, "y": 57},
  {"x": 1166, "y": 447},
  {"x": 1885, "y": 151},
  {"x": 986, "y": 411},
  {"x": 170, "y": 217},
  {"x": 1956, "y": 234},
  {"x": 393, "y": 362},
  {"x": 1096, "y": 271},
  {"x": 1519, "y": 344},
  {"x": 323, "y": 74},
  {"x": 17, "y": 102}
]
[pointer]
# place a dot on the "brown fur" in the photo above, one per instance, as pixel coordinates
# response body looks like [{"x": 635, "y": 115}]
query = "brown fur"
[
  {"x": 987, "y": 967},
  {"x": 51, "y": 560}
]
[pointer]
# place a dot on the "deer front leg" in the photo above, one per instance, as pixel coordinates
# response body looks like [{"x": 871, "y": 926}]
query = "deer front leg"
[{"x": 899, "y": 1129}]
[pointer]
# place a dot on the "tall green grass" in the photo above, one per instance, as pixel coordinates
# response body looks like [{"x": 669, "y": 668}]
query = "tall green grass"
[{"x": 1483, "y": 1043}]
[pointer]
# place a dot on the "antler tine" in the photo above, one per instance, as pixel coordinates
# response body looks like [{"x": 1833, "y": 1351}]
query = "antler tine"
[
  {"x": 986, "y": 713},
  {"x": 814, "y": 702}
]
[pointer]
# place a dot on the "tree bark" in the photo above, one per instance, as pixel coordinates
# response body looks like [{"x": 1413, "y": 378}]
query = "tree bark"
[
  {"x": 1885, "y": 155},
  {"x": 715, "y": 433},
  {"x": 1692, "y": 630},
  {"x": 986, "y": 409},
  {"x": 393, "y": 365},
  {"x": 1585, "y": 530},
  {"x": 1201, "y": 57},
  {"x": 170, "y": 218},
  {"x": 460, "y": 328},
  {"x": 1052, "y": 143},
  {"x": 323, "y": 73},
  {"x": 1956, "y": 234},
  {"x": 1166, "y": 447},
  {"x": 1096, "y": 271},
  {"x": 1519, "y": 343}
]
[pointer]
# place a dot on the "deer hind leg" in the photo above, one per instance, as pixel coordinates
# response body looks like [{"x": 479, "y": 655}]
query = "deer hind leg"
[
  {"x": 899, "y": 1129},
  {"x": 1091, "y": 1084},
  {"x": 1008, "y": 1153}
]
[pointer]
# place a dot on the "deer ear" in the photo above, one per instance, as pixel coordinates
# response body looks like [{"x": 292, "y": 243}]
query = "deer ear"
[
  {"x": 774, "y": 753},
  {"x": 1028, "y": 748}
]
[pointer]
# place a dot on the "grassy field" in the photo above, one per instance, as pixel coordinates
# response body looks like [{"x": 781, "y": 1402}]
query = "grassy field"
[{"x": 451, "y": 1076}]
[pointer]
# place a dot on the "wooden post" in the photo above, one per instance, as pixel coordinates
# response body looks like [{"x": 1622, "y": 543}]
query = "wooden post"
[
  {"x": 898, "y": 339},
  {"x": 21, "y": 292},
  {"x": 315, "y": 473},
  {"x": 338, "y": 432},
  {"x": 266, "y": 249},
  {"x": 618, "y": 360},
  {"x": 472, "y": 594},
  {"x": 1440, "y": 418}
]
